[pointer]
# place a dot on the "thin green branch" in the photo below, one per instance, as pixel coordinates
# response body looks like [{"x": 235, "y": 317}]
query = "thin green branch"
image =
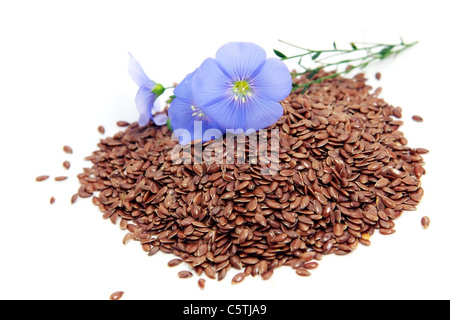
[{"x": 373, "y": 52}]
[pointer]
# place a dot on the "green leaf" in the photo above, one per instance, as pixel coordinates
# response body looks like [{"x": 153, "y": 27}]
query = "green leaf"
[
  {"x": 349, "y": 68},
  {"x": 169, "y": 125},
  {"x": 385, "y": 51},
  {"x": 170, "y": 99},
  {"x": 313, "y": 73},
  {"x": 305, "y": 88},
  {"x": 316, "y": 55},
  {"x": 365, "y": 64},
  {"x": 354, "y": 46},
  {"x": 334, "y": 45},
  {"x": 334, "y": 75},
  {"x": 279, "y": 54}
]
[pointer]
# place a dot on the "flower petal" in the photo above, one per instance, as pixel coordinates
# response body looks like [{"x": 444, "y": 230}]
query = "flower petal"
[
  {"x": 144, "y": 103},
  {"x": 209, "y": 84},
  {"x": 144, "y": 119},
  {"x": 214, "y": 130},
  {"x": 159, "y": 104},
  {"x": 224, "y": 112},
  {"x": 184, "y": 88},
  {"x": 262, "y": 113},
  {"x": 181, "y": 117},
  {"x": 240, "y": 60},
  {"x": 160, "y": 119},
  {"x": 257, "y": 113},
  {"x": 273, "y": 81},
  {"x": 137, "y": 73}
]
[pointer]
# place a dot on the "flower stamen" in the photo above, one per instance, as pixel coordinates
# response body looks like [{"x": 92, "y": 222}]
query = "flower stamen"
[
  {"x": 197, "y": 112},
  {"x": 241, "y": 90}
]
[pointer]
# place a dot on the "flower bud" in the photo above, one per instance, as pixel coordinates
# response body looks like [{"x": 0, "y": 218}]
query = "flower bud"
[{"x": 158, "y": 90}]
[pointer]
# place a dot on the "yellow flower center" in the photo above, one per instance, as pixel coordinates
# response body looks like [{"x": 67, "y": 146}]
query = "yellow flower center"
[{"x": 241, "y": 90}]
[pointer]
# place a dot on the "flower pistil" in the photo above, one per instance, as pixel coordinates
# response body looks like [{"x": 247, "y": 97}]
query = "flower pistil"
[{"x": 241, "y": 90}]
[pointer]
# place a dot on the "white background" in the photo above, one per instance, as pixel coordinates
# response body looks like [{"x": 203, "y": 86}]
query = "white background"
[{"x": 63, "y": 72}]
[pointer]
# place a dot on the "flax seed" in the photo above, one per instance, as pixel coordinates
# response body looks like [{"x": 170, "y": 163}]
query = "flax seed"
[
  {"x": 101, "y": 129},
  {"x": 417, "y": 118},
  {"x": 66, "y": 164},
  {"x": 238, "y": 278},
  {"x": 116, "y": 295},
  {"x": 67, "y": 149},
  {"x": 174, "y": 262},
  {"x": 425, "y": 222},
  {"x": 42, "y": 178},
  {"x": 201, "y": 283},
  {"x": 338, "y": 230},
  {"x": 74, "y": 198},
  {"x": 127, "y": 238},
  {"x": 267, "y": 275},
  {"x": 122, "y": 124},
  {"x": 311, "y": 265},
  {"x": 302, "y": 272},
  {"x": 261, "y": 219},
  {"x": 387, "y": 231}
]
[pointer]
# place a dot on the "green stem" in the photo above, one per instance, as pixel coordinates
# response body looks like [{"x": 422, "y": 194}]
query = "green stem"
[
  {"x": 332, "y": 64},
  {"x": 341, "y": 51},
  {"x": 373, "y": 52},
  {"x": 332, "y": 75}
]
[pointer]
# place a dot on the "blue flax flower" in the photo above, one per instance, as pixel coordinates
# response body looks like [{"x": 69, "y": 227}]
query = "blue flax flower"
[
  {"x": 187, "y": 120},
  {"x": 241, "y": 88},
  {"x": 146, "y": 95}
]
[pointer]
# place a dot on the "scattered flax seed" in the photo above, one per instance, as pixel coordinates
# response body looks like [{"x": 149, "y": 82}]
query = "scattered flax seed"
[
  {"x": 425, "y": 222},
  {"x": 127, "y": 238},
  {"x": 174, "y": 262},
  {"x": 116, "y": 295},
  {"x": 417, "y": 118},
  {"x": 123, "y": 223},
  {"x": 378, "y": 76},
  {"x": 42, "y": 178},
  {"x": 303, "y": 272},
  {"x": 101, "y": 129},
  {"x": 60, "y": 178},
  {"x": 201, "y": 283},
  {"x": 52, "y": 200},
  {"x": 74, "y": 198},
  {"x": 420, "y": 150},
  {"x": 184, "y": 274},
  {"x": 122, "y": 124},
  {"x": 66, "y": 164},
  {"x": 67, "y": 149},
  {"x": 239, "y": 277}
]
